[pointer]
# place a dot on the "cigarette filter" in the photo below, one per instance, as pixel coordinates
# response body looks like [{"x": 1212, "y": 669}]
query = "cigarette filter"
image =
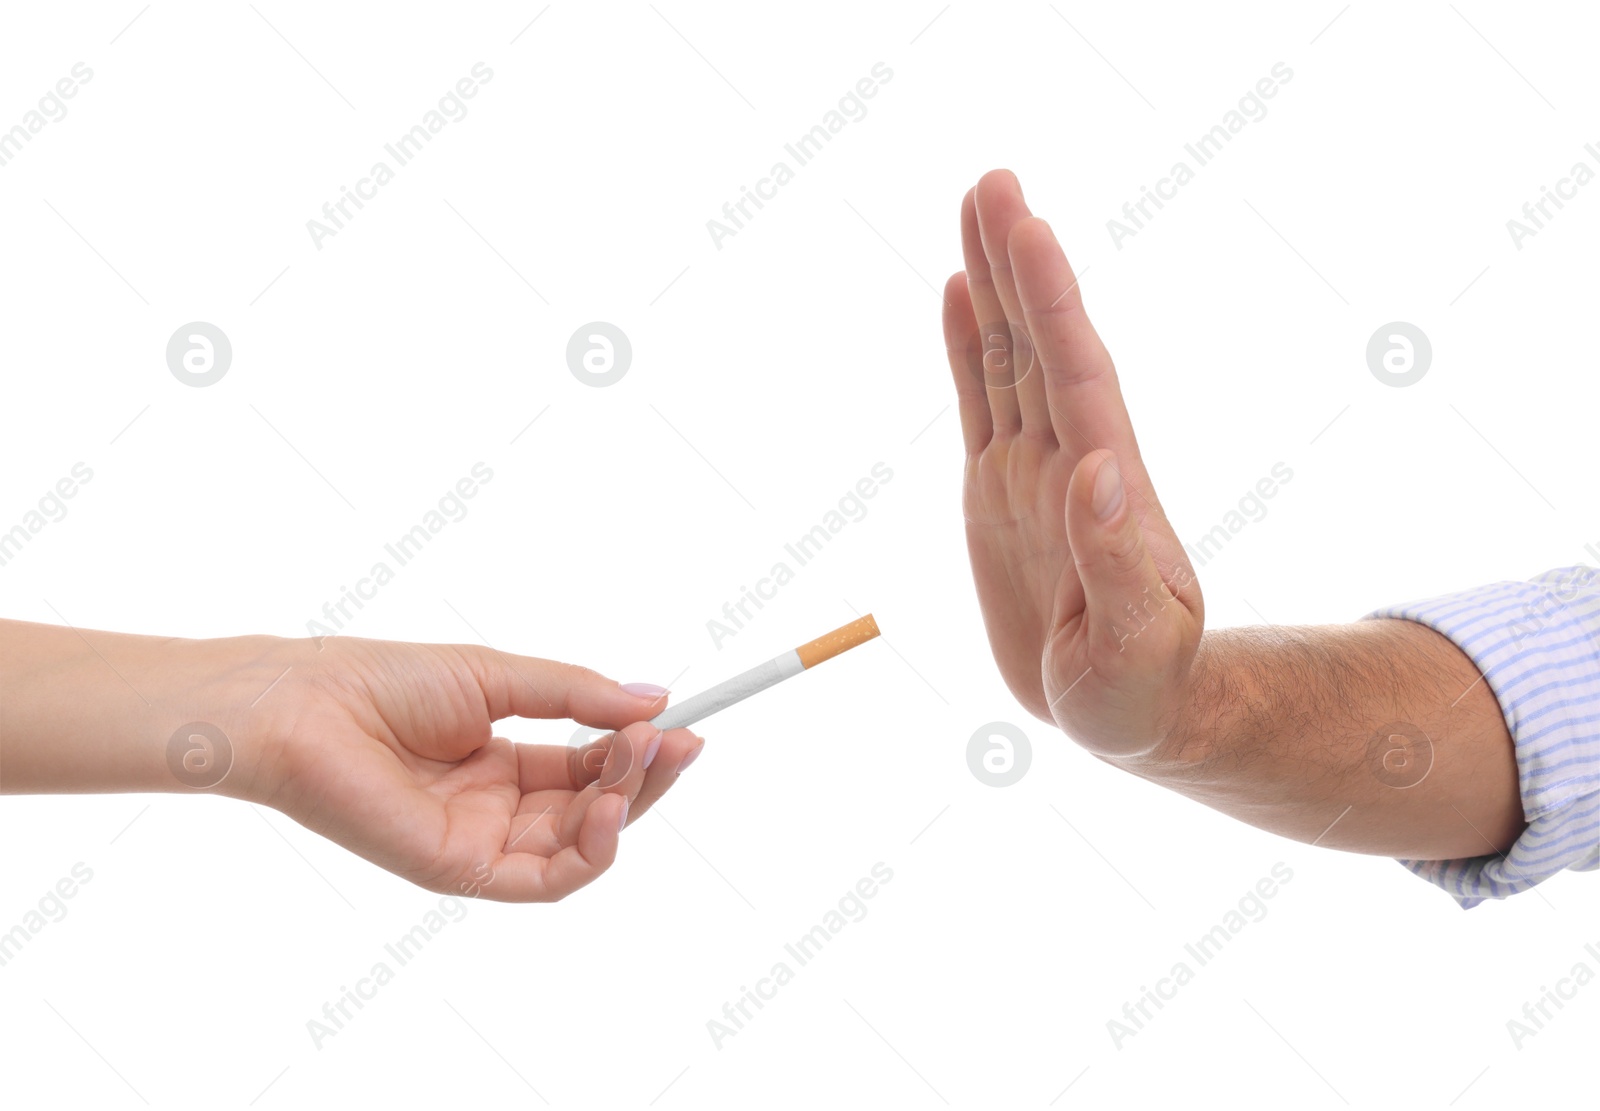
[{"x": 774, "y": 671}]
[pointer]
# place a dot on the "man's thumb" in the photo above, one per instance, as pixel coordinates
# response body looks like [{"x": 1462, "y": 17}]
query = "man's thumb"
[{"x": 1122, "y": 589}]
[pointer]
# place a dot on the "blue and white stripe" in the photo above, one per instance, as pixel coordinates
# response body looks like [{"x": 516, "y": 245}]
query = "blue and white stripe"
[{"x": 1538, "y": 646}]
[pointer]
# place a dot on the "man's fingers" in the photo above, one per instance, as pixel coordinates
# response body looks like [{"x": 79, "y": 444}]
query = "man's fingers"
[
  {"x": 1086, "y": 407},
  {"x": 990, "y": 360},
  {"x": 960, "y": 345},
  {"x": 999, "y": 203}
]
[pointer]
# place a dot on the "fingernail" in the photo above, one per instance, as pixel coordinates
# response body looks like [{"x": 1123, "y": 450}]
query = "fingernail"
[
  {"x": 623, "y": 821},
  {"x": 643, "y": 690},
  {"x": 651, "y": 749},
  {"x": 690, "y": 757},
  {"x": 1107, "y": 489}
]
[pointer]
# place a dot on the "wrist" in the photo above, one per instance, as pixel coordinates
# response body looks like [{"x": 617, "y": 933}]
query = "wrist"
[
  {"x": 92, "y": 711},
  {"x": 237, "y": 696},
  {"x": 1190, "y": 731}
]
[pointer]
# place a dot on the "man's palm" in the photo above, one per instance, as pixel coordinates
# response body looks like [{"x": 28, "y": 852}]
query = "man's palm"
[{"x": 1096, "y": 635}]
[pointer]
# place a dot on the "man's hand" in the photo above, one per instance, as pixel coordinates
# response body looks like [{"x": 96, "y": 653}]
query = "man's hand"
[
  {"x": 1095, "y": 617},
  {"x": 1093, "y": 613}
]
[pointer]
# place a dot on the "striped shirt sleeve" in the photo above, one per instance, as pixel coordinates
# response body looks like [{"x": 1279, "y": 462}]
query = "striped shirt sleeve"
[{"x": 1538, "y": 646}]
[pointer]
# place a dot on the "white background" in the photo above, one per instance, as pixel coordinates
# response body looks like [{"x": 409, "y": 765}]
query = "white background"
[{"x": 768, "y": 377}]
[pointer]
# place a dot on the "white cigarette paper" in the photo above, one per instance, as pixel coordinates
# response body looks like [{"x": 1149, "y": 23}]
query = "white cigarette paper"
[{"x": 759, "y": 678}]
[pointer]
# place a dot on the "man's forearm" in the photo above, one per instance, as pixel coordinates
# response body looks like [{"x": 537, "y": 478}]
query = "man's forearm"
[{"x": 1376, "y": 737}]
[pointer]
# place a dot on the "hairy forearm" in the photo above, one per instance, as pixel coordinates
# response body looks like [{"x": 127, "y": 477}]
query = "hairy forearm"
[
  {"x": 84, "y": 710},
  {"x": 1376, "y": 737}
]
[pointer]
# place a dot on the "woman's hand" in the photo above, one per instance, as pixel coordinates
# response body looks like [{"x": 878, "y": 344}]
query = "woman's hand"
[
  {"x": 385, "y": 747},
  {"x": 388, "y": 749}
]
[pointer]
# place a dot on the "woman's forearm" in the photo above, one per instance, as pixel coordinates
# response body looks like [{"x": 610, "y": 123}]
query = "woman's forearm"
[{"x": 84, "y": 710}]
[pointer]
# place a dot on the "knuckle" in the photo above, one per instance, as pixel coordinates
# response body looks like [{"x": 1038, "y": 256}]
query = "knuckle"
[
  {"x": 1124, "y": 552},
  {"x": 577, "y": 675}
]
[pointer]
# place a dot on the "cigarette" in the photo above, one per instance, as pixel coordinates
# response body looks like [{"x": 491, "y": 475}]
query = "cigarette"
[{"x": 774, "y": 671}]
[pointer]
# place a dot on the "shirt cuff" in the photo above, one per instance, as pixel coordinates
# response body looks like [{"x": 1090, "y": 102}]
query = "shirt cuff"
[{"x": 1537, "y": 644}]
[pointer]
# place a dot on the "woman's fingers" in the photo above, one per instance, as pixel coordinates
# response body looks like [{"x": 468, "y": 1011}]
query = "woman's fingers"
[
  {"x": 588, "y": 828},
  {"x": 565, "y": 788},
  {"x": 679, "y": 748},
  {"x": 561, "y": 767},
  {"x": 520, "y": 877},
  {"x": 528, "y": 687},
  {"x": 1000, "y": 206},
  {"x": 594, "y": 850},
  {"x": 623, "y": 774}
]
